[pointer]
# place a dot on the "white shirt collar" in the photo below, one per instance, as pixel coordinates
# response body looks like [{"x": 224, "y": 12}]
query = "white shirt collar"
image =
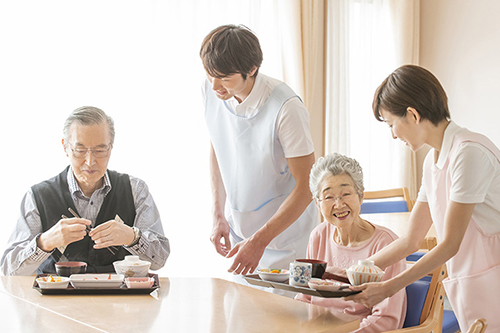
[
  {"x": 250, "y": 105},
  {"x": 449, "y": 135}
]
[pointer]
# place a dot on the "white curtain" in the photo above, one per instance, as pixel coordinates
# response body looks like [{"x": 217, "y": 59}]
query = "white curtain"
[
  {"x": 139, "y": 62},
  {"x": 366, "y": 41}
]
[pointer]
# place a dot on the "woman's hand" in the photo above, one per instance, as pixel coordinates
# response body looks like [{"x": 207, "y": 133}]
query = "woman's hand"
[{"x": 371, "y": 293}]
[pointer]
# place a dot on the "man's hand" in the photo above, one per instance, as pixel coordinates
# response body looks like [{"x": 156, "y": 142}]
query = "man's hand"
[
  {"x": 112, "y": 233},
  {"x": 248, "y": 253},
  {"x": 220, "y": 232},
  {"x": 64, "y": 232}
]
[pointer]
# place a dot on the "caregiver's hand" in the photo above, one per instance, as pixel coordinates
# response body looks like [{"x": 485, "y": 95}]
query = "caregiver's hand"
[
  {"x": 220, "y": 236},
  {"x": 112, "y": 233},
  {"x": 248, "y": 253},
  {"x": 371, "y": 293}
]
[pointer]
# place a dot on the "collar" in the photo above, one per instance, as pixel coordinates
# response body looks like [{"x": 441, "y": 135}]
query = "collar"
[
  {"x": 449, "y": 134},
  {"x": 75, "y": 189},
  {"x": 250, "y": 105}
]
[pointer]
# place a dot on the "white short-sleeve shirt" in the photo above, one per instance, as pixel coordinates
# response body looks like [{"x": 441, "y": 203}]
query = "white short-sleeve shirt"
[
  {"x": 293, "y": 120},
  {"x": 475, "y": 178}
]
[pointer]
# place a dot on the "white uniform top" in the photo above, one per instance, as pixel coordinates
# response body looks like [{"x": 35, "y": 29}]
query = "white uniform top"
[
  {"x": 468, "y": 171},
  {"x": 253, "y": 163}
]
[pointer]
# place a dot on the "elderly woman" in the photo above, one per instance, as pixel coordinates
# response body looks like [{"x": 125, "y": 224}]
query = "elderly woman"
[{"x": 336, "y": 182}]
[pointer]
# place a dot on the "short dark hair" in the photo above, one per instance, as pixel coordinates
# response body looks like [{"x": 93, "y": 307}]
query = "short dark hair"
[
  {"x": 412, "y": 86},
  {"x": 231, "y": 49}
]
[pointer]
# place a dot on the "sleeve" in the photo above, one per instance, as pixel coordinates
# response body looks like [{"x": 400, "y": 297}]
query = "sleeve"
[
  {"x": 293, "y": 129},
  {"x": 390, "y": 313},
  {"x": 153, "y": 245},
  {"x": 22, "y": 256},
  {"x": 471, "y": 172},
  {"x": 422, "y": 193}
]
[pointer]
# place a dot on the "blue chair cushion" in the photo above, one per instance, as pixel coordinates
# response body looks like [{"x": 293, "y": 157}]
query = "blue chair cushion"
[
  {"x": 415, "y": 256},
  {"x": 415, "y": 299},
  {"x": 384, "y": 207},
  {"x": 450, "y": 322}
]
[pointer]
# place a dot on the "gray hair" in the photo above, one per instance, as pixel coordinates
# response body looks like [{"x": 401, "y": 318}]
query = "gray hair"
[
  {"x": 333, "y": 165},
  {"x": 89, "y": 115}
]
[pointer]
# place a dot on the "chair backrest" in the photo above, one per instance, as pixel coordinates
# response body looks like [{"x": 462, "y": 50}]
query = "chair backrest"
[
  {"x": 479, "y": 326},
  {"x": 393, "y": 206},
  {"x": 425, "y": 304}
]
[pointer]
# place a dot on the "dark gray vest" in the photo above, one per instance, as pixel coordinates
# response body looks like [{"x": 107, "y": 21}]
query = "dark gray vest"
[{"x": 53, "y": 199}]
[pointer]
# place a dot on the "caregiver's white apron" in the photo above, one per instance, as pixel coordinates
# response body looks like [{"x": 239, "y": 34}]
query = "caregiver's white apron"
[
  {"x": 255, "y": 174},
  {"x": 473, "y": 285}
]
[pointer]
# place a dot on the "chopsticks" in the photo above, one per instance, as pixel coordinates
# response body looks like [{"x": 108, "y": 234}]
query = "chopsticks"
[{"x": 88, "y": 229}]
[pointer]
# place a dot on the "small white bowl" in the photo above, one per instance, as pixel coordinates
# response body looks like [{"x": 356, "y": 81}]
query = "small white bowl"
[
  {"x": 326, "y": 285},
  {"x": 139, "y": 282},
  {"x": 268, "y": 275},
  {"x": 132, "y": 266},
  {"x": 57, "y": 282}
]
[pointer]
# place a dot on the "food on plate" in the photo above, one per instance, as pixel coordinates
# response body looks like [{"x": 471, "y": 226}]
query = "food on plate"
[
  {"x": 51, "y": 278},
  {"x": 327, "y": 285},
  {"x": 272, "y": 270}
]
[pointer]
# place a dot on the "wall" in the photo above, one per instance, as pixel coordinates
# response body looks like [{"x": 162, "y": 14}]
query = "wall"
[{"x": 460, "y": 44}]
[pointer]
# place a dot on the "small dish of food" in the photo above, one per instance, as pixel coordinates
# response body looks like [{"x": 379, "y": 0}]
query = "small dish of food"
[
  {"x": 53, "y": 282},
  {"x": 326, "y": 285},
  {"x": 140, "y": 282},
  {"x": 102, "y": 280},
  {"x": 274, "y": 274}
]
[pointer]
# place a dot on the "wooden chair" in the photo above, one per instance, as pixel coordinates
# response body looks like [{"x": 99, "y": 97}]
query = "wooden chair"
[
  {"x": 479, "y": 326},
  {"x": 424, "y": 315},
  {"x": 373, "y": 204}
]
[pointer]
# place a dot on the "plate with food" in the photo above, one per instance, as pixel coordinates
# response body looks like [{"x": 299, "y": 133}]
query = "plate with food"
[
  {"x": 273, "y": 274},
  {"x": 53, "y": 282},
  {"x": 96, "y": 280},
  {"x": 327, "y": 285}
]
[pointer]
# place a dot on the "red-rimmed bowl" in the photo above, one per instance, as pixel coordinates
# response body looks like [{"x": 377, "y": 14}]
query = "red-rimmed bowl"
[{"x": 66, "y": 268}]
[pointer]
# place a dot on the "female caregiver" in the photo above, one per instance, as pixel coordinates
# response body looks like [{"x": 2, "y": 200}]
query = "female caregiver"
[{"x": 460, "y": 194}]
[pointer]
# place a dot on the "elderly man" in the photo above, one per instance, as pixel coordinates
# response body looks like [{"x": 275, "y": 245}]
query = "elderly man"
[{"x": 87, "y": 212}]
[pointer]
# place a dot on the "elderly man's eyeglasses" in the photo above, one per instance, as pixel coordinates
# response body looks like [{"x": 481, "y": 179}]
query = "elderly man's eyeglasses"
[{"x": 81, "y": 152}]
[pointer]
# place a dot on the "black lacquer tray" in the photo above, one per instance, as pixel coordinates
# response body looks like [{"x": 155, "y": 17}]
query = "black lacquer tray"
[
  {"x": 122, "y": 290},
  {"x": 257, "y": 281}
]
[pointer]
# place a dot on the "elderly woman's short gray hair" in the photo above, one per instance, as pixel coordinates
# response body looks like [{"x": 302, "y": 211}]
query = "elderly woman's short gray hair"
[
  {"x": 333, "y": 165},
  {"x": 89, "y": 115}
]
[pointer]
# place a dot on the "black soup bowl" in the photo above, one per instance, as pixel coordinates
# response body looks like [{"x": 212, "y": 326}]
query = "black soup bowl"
[
  {"x": 318, "y": 267},
  {"x": 66, "y": 268}
]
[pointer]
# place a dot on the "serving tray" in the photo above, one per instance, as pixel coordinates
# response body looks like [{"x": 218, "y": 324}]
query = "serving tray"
[
  {"x": 257, "y": 281},
  {"x": 122, "y": 290}
]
